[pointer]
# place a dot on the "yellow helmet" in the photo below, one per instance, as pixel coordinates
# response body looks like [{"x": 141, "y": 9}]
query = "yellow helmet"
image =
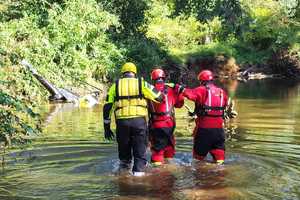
[{"x": 128, "y": 67}]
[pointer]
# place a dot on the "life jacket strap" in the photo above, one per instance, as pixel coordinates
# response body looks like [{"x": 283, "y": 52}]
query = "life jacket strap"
[
  {"x": 168, "y": 112},
  {"x": 161, "y": 113},
  {"x": 202, "y": 110},
  {"x": 117, "y": 108},
  {"x": 208, "y": 115},
  {"x": 212, "y": 108},
  {"x": 139, "y": 96}
]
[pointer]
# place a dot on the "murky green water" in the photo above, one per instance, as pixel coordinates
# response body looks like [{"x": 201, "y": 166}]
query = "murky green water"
[{"x": 263, "y": 156}]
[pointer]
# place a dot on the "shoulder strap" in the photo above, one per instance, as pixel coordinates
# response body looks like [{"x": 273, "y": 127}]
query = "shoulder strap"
[
  {"x": 202, "y": 110},
  {"x": 140, "y": 87},
  {"x": 117, "y": 90},
  {"x": 140, "y": 94},
  {"x": 208, "y": 95},
  {"x": 169, "y": 111}
]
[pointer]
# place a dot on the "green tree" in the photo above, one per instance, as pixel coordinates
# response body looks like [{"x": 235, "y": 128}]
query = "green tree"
[
  {"x": 229, "y": 11},
  {"x": 130, "y": 13}
]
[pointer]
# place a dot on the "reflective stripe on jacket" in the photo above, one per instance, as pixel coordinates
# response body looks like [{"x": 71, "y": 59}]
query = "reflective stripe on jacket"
[{"x": 214, "y": 104}]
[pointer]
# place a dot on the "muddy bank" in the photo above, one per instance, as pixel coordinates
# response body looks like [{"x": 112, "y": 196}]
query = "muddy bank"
[
  {"x": 285, "y": 63},
  {"x": 282, "y": 64}
]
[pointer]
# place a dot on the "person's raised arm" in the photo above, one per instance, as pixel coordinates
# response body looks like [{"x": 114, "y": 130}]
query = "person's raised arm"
[
  {"x": 151, "y": 93},
  {"x": 191, "y": 94},
  {"x": 178, "y": 89}
]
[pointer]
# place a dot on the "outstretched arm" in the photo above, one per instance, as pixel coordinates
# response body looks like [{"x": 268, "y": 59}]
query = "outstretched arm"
[
  {"x": 191, "y": 94},
  {"x": 151, "y": 93}
]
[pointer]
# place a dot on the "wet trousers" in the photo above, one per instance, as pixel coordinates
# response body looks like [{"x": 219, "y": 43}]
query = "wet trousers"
[
  {"x": 162, "y": 143},
  {"x": 210, "y": 140},
  {"x": 132, "y": 142}
]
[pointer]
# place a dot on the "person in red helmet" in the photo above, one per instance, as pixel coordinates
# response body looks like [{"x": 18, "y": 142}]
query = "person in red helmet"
[
  {"x": 162, "y": 118},
  {"x": 210, "y": 105}
]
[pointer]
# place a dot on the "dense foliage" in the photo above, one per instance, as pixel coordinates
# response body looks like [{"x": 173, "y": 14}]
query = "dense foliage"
[
  {"x": 75, "y": 40},
  {"x": 17, "y": 121},
  {"x": 249, "y": 30}
]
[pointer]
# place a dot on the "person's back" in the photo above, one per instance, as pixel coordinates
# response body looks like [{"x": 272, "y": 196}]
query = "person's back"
[
  {"x": 210, "y": 102},
  {"x": 210, "y": 106},
  {"x": 163, "y": 114},
  {"x": 162, "y": 118},
  {"x": 127, "y": 98},
  {"x": 130, "y": 101}
]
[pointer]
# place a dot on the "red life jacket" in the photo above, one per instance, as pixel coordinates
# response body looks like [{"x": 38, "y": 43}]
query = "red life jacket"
[
  {"x": 214, "y": 104},
  {"x": 165, "y": 110}
]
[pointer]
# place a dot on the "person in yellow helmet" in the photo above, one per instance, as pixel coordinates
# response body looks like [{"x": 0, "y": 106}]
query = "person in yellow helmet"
[{"x": 127, "y": 98}]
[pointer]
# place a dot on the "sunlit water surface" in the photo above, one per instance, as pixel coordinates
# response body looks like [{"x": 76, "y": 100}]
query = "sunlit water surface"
[{"x": 69, "y": 162}]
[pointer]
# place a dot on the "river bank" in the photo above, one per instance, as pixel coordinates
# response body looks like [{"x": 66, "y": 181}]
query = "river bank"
[{"x": 282, "y": 65}]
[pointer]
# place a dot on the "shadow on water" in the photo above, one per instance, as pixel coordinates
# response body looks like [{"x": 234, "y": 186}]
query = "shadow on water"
[{"x": 69, "y": 162}]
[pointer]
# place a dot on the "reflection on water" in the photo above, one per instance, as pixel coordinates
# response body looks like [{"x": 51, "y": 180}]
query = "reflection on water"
[{"x": 263, "y": 152}]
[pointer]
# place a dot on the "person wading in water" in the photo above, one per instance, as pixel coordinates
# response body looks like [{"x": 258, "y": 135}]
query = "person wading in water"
[
  {"x": 211, "y": 106},
  {"x": 162, "y": 118},
  {"x": 127, "y": 97}
]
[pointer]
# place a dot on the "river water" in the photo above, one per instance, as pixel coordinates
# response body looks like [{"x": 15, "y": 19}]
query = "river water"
[{"x": 263, "y": 155}]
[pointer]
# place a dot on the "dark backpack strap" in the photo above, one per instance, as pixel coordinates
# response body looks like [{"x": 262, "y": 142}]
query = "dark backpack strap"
[
  {"x": 214, "y": 108},
  {"x": 117, "y": 90},
  {"x": 161, "y": 113},
  {"x": 201, "y": 110},
  {"x": 140, "y": 88}
]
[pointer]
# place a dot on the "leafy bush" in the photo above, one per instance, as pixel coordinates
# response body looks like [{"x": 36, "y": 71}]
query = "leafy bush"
[
  {"x": 230, "y": 12},
  {"x": 17, "y": 120},
  {"x": 248, "y": 30},
  {"x": 66, "y": 41},
  {"x": 130, "y": 13},
  {"x": 73, "y": 45},
  {"x": 179, "y": 34},
  {"x": 268, "y": 28}
]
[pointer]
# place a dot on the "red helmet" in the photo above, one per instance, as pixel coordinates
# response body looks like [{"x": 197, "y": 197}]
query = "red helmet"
[
  {"x": 205, "y": 75},
  {"x": 157, "y": 73}
]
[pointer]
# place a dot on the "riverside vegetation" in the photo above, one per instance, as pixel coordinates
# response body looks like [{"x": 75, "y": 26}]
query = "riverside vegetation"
[{"x": 74, "y": 41}]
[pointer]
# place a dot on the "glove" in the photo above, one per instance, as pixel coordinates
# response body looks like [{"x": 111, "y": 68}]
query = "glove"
[
  {"x": 179, "y": 88},
  {"x": 191, "y": 114},
  {"x": 230, "y": 113},
  {"x": 108, "y": 134}
]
